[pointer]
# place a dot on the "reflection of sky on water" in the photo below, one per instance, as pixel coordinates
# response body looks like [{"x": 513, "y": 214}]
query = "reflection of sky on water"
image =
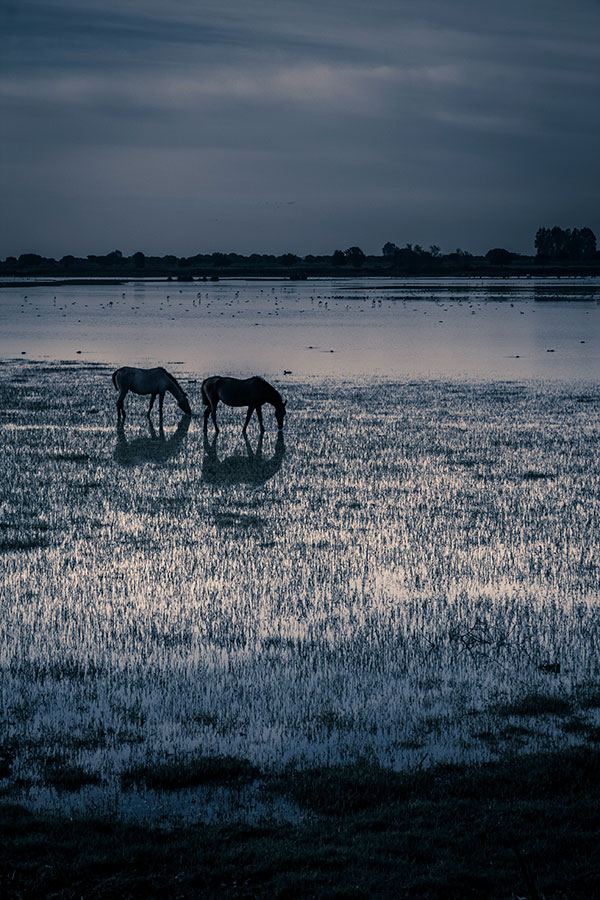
[{"x": 429, "y": 327}]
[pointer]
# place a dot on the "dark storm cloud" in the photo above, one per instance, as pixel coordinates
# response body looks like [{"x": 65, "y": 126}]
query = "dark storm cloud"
[{"x": 195, "y": 126}]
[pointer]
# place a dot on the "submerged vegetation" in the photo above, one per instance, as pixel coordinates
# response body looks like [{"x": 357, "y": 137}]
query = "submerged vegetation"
[
  {"x": 360, "y": 659},
  {"x": 415, "y": 582}
]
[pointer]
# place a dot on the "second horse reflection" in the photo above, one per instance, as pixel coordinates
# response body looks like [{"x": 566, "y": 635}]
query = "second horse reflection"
[
  {"x": 252, "y": 468},
  {"x": 156, "y": 448}
]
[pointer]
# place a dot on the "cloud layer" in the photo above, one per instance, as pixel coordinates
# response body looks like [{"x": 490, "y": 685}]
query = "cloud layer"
[{"x": 190, "y": 127}]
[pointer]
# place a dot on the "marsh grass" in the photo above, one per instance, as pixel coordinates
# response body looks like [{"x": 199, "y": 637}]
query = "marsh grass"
[
  {"x": 7, "y": 755},
  {"x": 588, "y": 696},
  {"x": 535, "y": 704},
  {"x": 65, "y": 776},
  {"x": 400, "y": 593},
  {"x": 15, "y": 544},
  {"x": 517, "y": 828},
  {"x": 185, "y": 773},
  {"x": 237, "y": 520}
]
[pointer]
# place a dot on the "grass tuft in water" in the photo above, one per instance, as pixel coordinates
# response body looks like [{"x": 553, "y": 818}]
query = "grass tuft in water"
[
  {"x": 65, "y": 776},
  {"x": 200, "y": 770},
  {"x": 535, "y": 704}
]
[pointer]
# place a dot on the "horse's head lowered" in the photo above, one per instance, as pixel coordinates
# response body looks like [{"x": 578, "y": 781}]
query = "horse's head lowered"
[{"x": 184, "y": 404}]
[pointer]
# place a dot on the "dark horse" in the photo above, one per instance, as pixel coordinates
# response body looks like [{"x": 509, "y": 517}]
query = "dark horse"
[
  {"x": 148, "y": 381},
  {"x": 250, "y": 392},
  {"x": 253, "y": 468}
]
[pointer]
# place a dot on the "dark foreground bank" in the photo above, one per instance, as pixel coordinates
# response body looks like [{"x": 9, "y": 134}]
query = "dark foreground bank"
[{"x": 527, "y": 827}]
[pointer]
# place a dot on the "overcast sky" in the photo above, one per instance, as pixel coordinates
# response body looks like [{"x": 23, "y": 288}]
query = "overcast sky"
[{"x": 187, "y": 126}]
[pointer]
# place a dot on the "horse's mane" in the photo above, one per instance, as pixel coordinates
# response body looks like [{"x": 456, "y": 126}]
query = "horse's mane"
[
  {"x": 270, "y": 387},
  {"x": 173, "y": 379}
]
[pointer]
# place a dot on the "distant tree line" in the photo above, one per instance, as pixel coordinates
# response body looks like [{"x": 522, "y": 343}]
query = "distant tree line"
[
  {"x": 554, "y": 247},
  {"x": 565, "y": 244}
]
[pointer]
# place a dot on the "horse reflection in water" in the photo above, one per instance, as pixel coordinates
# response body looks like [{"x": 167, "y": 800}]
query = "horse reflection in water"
[
  {"x": 252, "y": 468},
  {"x": 157, "y": 448}
]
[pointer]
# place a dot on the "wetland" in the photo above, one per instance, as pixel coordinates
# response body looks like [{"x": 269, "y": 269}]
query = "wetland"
[{"x": 200, "y": 631}]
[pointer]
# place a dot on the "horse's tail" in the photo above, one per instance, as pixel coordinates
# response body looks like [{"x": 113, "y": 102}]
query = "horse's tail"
[
  {"x": 114, "y": 378},
  {"x": 205, "y": 399}
]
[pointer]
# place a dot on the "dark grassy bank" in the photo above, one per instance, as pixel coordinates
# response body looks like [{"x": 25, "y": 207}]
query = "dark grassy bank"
[
  {"x": 525, "y": 827},
  {"x": 373, "y": 268}
]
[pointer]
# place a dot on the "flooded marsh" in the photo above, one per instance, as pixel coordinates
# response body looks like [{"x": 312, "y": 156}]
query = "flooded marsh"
[
  {"x": 409, "y": 575},
  {"x": 438, "y": 327}
]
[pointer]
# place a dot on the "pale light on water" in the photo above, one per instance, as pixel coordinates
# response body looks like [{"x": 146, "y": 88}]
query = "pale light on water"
[{"x": 431, "y": 327}]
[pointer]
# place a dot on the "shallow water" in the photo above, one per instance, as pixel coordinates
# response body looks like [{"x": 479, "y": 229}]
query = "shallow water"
[
  {"x": 416, "y": 564},
  {"x": 476, "y": 328}
]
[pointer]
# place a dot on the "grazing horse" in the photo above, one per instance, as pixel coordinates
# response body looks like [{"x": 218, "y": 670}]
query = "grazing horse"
[
  {"x": 250, "y": 392},
  {"x": 148, "y": 381}
]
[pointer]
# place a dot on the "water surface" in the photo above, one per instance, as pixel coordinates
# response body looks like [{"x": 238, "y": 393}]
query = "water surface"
[{"x": 477, "y": 328}]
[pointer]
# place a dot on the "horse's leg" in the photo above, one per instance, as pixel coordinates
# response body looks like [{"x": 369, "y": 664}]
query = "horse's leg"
[
  {"x": 161, "y": 398},
  {"x": 120, "y": 407},
  {"x": 208, "y": 409},
  {"x": 260, "y": 421},
  {"x": 152, "y": 399},
  {"x": 213, "y": 409},
  {"x": 248, "y": 417}
]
